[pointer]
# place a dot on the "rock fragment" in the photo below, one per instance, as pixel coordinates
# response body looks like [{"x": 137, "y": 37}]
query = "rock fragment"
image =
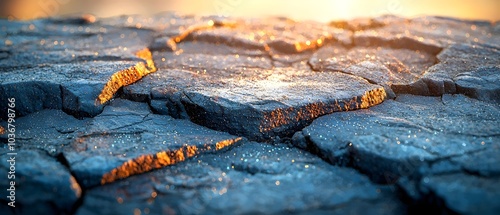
[
  {"x": 63, "y": 64},
  {"x": 127, "y": 139},
  {"x": 42, "y": 184}
]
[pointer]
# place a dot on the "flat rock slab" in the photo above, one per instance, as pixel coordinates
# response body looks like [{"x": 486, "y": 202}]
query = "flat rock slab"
[
  {"x": 48, "y": 130},
  {"x": 385, "y": 66},
  {"x": 217, "y": 82},
  {"x": 244, "y": 96},
  {"x": 414, "y": 137},
  {"x": 63, "y": 63},
  {"x": 125, "y": 139},
  {"x": 252, "y": 178}
]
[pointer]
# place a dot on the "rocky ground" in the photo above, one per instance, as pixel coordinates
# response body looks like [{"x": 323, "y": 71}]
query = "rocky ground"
[{"x": 174, "y": 114}]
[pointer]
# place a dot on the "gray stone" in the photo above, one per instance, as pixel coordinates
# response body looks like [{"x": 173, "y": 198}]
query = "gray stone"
[
  {"x": 468, "y": 69},
  {"x": 252, "y": 178},
  {"x": 483, "y": 163},
  {"x": 398, "y": 137},
  {"x": 127, "y": 139},
  {"x": 464, "y": 193},
  {"x": 41, "y": 184},
  {"x": 381, "y": 65},
  {"x": 238, "y": 100},
  {"x": 195, "y": 83},
  {"x": 195, "y": 74},
  {"x": 48, "y": 130},
  {"x": 261, "y": 79},
  {"x": 63, "y": 63},
  {"x": 30, "y": 96},
  {"x": 481, "y": 83},
  {"x": 125, "y": 132},
  {"x": 429, "y": 34},
  {"x": 418, "y": 143},
  {"x": 463, "y": 49},
  {"x": 79, "y": 98}
]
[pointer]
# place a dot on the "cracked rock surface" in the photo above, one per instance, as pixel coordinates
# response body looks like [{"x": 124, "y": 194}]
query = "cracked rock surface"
[
  {"x": 277, "y": 179},
  {"x": 421, "y": 139},
  {"x": 182, "y": 114}
]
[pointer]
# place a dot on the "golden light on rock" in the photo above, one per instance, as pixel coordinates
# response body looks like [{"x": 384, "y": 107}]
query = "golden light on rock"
[
  {"x": 75, "y": 187},
  {"x": 127, "y": 76},
  {"x": 309, "y": 45},
  {"x": 172, "y": 42},
  {"x": 372, "y": 98},
  {"x": 146, "y": 163},
  {"x": 89, "y": 18},
  {"x": 226, "y": 143},
  {"x": 2, "y": 130},
  {"x": 288, "y": 116}
]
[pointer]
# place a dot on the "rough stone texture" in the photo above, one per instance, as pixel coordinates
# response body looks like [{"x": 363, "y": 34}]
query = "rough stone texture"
[
  {"x": 420, "y": 138},
  {"x": 385, "y": 66},
  {"x": 219, "y": 98},
  {"x": 468, "y": 55},
  {"x": 125, "y": 131},
  {"x": 63, "y": 63},
  {"x": 428, "y": 33},
  {"x": 48, "y": 130},
  {"x": 155, "y": 115},
  {"x": 128, "y": 131},
  {"x": 41, "y": 184},
  {"x": 464, "y": 193},
  {"x": 278, "y": 178},
  {"x": 231, "y": 60},
  {"x": 472, "y": 70}
]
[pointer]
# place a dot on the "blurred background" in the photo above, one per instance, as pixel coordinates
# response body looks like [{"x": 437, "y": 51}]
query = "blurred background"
[{"x": 318, "y": 10}]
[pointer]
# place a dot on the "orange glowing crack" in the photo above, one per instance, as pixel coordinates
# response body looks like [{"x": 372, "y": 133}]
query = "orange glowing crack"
[
  {"x": 2, "y": 130},
  {"x": 75, "y": 186},
  {"x": 225, "y": 143},
  {"x": 288, "y": 116},
  {"x": 314, "y": 44},
  {"x": 127, "y": 76},
  {"x": 297, "y": 46},
  {"x": 372, "y": 98},
  {"x": 172, "y": 42},
  {"x": 145, "y": 163}
]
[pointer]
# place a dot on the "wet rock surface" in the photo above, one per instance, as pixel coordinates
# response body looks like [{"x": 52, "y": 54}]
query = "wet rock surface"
[{"x": 176, "y": 114}]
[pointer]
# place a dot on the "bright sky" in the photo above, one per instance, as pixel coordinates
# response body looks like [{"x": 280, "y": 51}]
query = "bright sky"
[
  {"x": 327, "y": 10},
  {"x": 319, "y": 10}
]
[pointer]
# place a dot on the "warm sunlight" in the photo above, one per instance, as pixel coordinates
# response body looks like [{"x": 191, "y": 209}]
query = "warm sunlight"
[{"x": 319, "y": 10}]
